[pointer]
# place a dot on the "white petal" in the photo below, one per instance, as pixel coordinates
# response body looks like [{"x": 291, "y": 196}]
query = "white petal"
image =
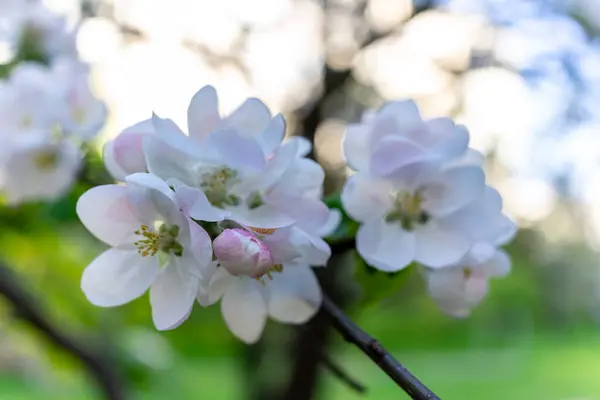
[
  {"x": 294, "y": 295},
  {"x": 172, "y": 295},
  {"x": 302, "y": 177},
  {"x": 237, "y": 151},
  {"x": 203, "y": 113},
  {"x": 252, "y": 117},
  {"x": 333, "y": 222},
  {"x": 220, "y": 281},
  {"x": 405, "y": 112},
  {"x": 272, "y": 136},
  {"x": 201, "y": 248},
  {"x": 168, "y": 163},
  {"x": 356, "y": 147},
  {"x": 454, "y": 189},
  {"x": 452, "y": 141},
  {"x": 165, "y": 127},
  {"x": 303, "y": 145},
  {"x": 393, "y": 153},
  {"x": 265, "y": 216},
  {"x": 108, "y": 155},
  {"x": 106, "y": 212},
  {"x": 437, "y": 246},
  {"x": 308, "y": 213},
  {"x": 498, "y": 265},
  {"x": 116, "y": 277},
  {"x": 384, "y": 246},
  {"x": 244, "y": 309},
  {"x": 193, "y": 202},
  {"x": 366, "y": 198},
  {"x": 150, "y": 181}
]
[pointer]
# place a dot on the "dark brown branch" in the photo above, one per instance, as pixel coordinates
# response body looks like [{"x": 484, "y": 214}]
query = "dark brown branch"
[
  {"x": 29, "y": 310},
  {"x": 342, "y": 375},
  {"x": 375, "y": 351}
]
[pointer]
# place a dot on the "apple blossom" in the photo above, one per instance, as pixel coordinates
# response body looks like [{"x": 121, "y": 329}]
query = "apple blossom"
[
  {"x": 154, "y": 245},
  {"x": 36, "y": 168}
]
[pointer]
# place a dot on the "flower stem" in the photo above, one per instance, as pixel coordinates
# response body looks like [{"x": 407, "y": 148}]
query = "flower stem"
[{"x": 376, "y": 352}]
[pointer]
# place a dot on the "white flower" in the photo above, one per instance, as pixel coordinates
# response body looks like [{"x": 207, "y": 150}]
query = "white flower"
[
  {"x": 36, "y": 168},
  {"x": 28, "y": 101},
  {"x": 419, "y": 192},
  {"x": 240, "y": 163},
  {"x": 396, "y": 143},
  {"x": 460, "y": 287},
  {"x": 154, "y": 246},
  {"x": 404, "y": 222},
  {"x": 82, "y": 113}
]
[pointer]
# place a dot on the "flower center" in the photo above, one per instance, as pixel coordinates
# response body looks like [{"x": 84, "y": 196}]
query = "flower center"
[
  {"x": 216, "y": 186},
  {"x": 46, "y": 159},
  {"x": 407, "y": 210},
  {"x": 164, "y": 240}
]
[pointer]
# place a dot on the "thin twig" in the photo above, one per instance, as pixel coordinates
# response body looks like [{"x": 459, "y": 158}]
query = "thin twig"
[
  {"x": 375, "y": 351},
  {"x": 342, "y": 375},
  {"x": 29, "y": 310}
]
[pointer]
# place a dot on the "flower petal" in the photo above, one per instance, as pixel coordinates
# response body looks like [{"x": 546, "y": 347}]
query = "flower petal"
[
  {"x": 356, "y": 146},
  {"x": 384, "y": 246},
  {"x": 498, "y": 265},
  {"x": 201, "y": 249},
  {"x": 272, "y": 136},
  {"x": 168, "y": 163},
  {"x": 237, "y": 151},
  {"x": 203, "y": 113},
  {"x": 172, "y": 294},
  {"x": 366, "y": 198},
  {"x": 454, "y": 189},
  {"x": 117, "y": 277},
  {"x": 218, "y": 285},
  {"x": 251, "y": 117},
  {"x": 294, "y": 295},
  {"x": 437, "y": 246},
  {"x": 106, "y": 212},
  {"x": 193, "y": 202},
  {"x": 265, "y": 216},
  {"x": 244, "y": 309}
]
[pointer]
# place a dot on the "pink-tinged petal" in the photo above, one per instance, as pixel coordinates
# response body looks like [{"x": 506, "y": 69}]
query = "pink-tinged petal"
[
  {"x": 272, "y": 136},
  {"x": 453, "y": 190},
  {"x": 437, "y": 246},
  {"x": 366, "y": 198},
  {"x": 193, "y": 203},
  {"x": 385, "y": 246},
  {"x": 244, "y": 309},
  {"x": 238, "y": 152},
  {"x": 167, "y": 162},
  {"x": 106, "y": 212},
  {"x": 252, "y": 117},
  {"x": 356, "y": 147},
  {"x": 265, "y": 216},
  {"x": 172, "y": 294},
  {"x": 113, "y": 167},
  {"x": 117, "y": 277},
  {"x": 294, "y": 295},
  {"x": 203, "y": 113}
]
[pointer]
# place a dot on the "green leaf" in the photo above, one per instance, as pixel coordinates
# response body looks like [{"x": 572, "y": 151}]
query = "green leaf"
[{"x": 376, "y": 285}]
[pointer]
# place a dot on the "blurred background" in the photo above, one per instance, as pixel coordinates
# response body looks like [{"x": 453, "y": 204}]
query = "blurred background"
[{"x": 522, "y": 75}]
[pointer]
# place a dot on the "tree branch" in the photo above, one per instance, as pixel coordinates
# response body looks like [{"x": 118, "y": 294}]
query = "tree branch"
[
  {"x": 28, "y": 310},
  {"x": 375, "y": 351},
  {"x": 342, "y": 375}
]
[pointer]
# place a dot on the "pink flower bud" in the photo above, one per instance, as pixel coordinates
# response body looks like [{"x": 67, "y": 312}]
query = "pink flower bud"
[
  {"x": 124, "y": 154},
  {"x": 242, "y": 253}
]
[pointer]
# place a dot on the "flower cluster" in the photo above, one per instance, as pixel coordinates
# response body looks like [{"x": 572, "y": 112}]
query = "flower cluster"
[
  {"x": 229, "y": 211},
  {"x": 420, "y": 195},
  {"x": 47, "y": 109}
]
